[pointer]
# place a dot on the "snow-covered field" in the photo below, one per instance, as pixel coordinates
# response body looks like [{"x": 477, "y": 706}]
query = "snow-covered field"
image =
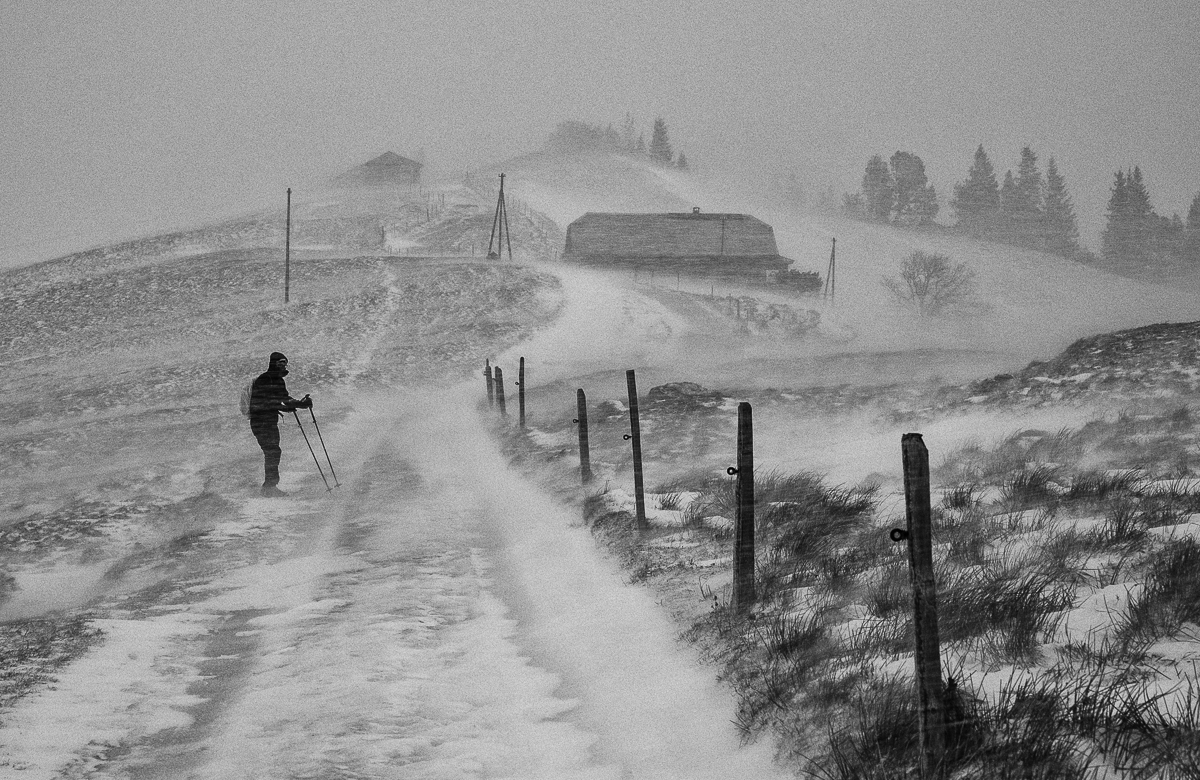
[
  {"x": 439, "y": 615},
  {"x": 392, "y": 628}
]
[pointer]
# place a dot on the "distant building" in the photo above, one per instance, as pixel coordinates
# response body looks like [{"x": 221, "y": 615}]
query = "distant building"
[
  {"x": 387, "y": 170},
  {"x": 710, "y": 243}
]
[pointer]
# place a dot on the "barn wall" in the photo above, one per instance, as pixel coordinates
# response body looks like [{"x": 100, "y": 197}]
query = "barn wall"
[{"x": 669, "y": 235}]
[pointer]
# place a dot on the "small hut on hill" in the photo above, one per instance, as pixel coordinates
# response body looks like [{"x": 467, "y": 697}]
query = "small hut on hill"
[
  {"x": 387, "y": 170},
  {"x": 706, "y": 243}
]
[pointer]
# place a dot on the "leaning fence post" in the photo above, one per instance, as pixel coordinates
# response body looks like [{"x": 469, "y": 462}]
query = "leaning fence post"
[
  {"x": 918, "y": 513},
  {"x": 585, "y": 456},
  {"x": 487, "y": 376},
  {"x": 635, "y": 433},
  {"x": 500, "y": 391},
  {"x": 521, "y": 391},
  {"x": 743, "y": 545}
]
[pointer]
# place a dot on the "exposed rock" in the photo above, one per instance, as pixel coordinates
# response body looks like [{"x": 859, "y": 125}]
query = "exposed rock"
[
  {"x": 684, "y": 396},
  {"x": 610, "y": 408}
]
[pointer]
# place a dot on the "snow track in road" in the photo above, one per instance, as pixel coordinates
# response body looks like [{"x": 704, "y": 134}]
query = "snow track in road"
[
  {"x": 357, "y": 365},
  {"x": 659, "y": 714},
  {"x": 380, "y": 650},
  {"x": 437, "y": 618},
  {"x": 466, "y": 607}
]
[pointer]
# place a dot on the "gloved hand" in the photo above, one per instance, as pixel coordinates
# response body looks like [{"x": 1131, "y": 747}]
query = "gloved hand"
[{"x": 304, "y": 403}]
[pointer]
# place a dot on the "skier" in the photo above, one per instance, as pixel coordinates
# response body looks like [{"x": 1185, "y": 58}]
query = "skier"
[{"x": 268, "y": 399}]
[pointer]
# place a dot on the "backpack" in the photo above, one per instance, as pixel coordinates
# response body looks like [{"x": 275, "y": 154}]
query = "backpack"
[{"x": 244, "y": 399}]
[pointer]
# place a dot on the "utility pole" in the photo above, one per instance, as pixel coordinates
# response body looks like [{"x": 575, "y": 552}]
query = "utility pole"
[
  {"x": 831, "y": 274},
  {"x": 500, "y": 221},
  {"x": 287, "y": 249}
]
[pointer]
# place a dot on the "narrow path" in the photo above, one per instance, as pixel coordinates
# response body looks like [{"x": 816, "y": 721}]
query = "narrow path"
[
  {"x": 659, "y": 714},
  {"x": 438, "y": 617}
]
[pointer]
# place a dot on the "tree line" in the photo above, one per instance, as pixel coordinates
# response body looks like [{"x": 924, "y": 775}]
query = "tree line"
[
  {"x": 1136, "y": 237},
  {"x": 1030, "y": 209},
  {"x": 573, "y": 135}
]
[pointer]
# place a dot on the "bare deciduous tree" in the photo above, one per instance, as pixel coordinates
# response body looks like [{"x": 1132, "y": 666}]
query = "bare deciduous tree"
[{"x": 933, "y": 285}]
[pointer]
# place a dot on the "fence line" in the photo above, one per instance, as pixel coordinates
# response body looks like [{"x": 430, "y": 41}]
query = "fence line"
[{"x": 918, "y": 534}]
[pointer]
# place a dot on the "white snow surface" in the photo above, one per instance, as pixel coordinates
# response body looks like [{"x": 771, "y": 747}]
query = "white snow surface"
[
  {"x": 458, "y": 623},
  {"x": 441, "y": 617}
]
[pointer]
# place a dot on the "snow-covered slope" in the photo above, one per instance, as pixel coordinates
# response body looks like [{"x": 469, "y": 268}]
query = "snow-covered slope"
[
  {"x": 403, "y": 625},
  {"x": 1034, "y": 303},
  {"x": 196, "y": 629}
]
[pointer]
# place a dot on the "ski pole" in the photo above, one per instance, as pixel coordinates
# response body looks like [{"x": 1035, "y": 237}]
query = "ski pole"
[
  {"x": 322, "y": 440},
  {"x": 310, "y": 449}
]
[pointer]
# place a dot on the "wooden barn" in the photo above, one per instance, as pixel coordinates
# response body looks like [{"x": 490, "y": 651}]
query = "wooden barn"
[
  {"x": 698, "y": 242},
  {"x": 387, "y": 170}
]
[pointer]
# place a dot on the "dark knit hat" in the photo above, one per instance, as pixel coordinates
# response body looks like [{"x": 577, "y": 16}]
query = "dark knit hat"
[{"x": 275, "y": 358}]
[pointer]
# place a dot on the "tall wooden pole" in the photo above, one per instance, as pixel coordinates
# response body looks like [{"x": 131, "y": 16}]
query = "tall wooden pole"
[
  {"x": 831, "y": 274},
  {"x": 635, "y": 432},
  {"x": 499, "y": 380},
  {"x": 743, "y": 550},
  {"x": 500, "y": 231},
  {"x": 585, "y": 457},
  {"x": 507, "y": 232},
  {"x": 927, "y": 657},
  {"x": 496, "y": 219},
  {"x": 521, "y": 391},
  {"x": 287, "y": 249}
]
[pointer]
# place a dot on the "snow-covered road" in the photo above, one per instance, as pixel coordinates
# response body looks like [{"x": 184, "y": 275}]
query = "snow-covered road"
[{"x": 438, "y": 616}]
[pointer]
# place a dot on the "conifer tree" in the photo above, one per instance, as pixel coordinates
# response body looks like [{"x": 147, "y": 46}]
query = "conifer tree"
[
  {"x": 1024, "y": 208},
  {"x": 681, "y": 162},
  {"x": 1191, "y": 233},
  {"x": 1029, "y": 184},
  {"x": 916, "y": 200},
  {"x": 1143, "y": 224},
  {"x": 1129, "y": 234},
  {"x": 1008, "y": 199},
  {"x": 976, "y": 201},
  {"x": 878, "y": 191},
  {"x": 1113, "y": 239},
  {"x": 1060, "y": 229},
  {"x": 628, "y": 133},
  {"x": 660, "y": 144}
]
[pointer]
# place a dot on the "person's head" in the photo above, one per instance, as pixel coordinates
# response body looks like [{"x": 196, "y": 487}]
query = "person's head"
[{"x": 278, "y": 364}]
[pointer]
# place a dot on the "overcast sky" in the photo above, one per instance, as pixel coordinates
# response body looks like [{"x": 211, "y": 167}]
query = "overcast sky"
[{"x": 122, "y": 119}]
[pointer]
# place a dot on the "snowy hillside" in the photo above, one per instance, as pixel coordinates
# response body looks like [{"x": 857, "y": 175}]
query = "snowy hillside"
[
  {"x": 159, "y": 619},
  {"x": 438, "y": 615},
  {"x": 1036, "y": 303}
]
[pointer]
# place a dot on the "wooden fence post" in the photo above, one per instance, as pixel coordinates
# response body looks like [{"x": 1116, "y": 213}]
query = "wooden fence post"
[
  {"x": 500, "y": 391},
  {"x": 743, "y": 545},
  {"x": 585, "y": 456},
  {"x": 487, "y": 376},
  {"x": 521, "y": 391},
  {"x": 927, "y": 656},
  {"x": 635, "y": 433}
]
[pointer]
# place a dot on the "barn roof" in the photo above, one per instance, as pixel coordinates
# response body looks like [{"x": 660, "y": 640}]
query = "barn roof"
[
  {"x": 387, "y": 168},
  {"x": 390, "y": 159},
  {"x": 609, "y": 238}
]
